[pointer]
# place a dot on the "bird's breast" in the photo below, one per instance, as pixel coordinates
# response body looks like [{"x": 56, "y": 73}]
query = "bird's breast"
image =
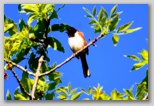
[{"x": 76, "y": 42}]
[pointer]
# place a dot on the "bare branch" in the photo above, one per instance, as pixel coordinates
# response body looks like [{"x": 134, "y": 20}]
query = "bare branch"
[
  {"x": 20, "y": 67},
  {"x": 71, "y": 57},
  {"x": 37, "y": 75},
  {"x": 21, "y": 85}
]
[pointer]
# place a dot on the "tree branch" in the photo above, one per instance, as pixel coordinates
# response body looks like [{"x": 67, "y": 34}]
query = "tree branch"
[
  {"x": 37, "y": 74},
  {"x": 20, "y": 84},
  {"x": 146, "y": 97},
  {"x": 18, "y": 66},
  {"x": 72, "y": 56}
]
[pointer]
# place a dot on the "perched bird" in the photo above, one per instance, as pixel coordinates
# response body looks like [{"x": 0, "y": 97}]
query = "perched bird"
[{"x": 77, "y": 41}]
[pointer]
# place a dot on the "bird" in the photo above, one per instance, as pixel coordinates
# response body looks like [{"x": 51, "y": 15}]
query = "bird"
[{"x": 77, "y": 41}]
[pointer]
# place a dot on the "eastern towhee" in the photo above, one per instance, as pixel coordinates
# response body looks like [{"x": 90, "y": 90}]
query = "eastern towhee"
[{"x": 77, "y": 41}]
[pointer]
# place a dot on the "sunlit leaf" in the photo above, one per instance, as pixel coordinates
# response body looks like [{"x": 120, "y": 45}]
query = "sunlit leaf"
[
  {"x": 87, "y": 11},
  {"x": 100, "y": 14},
  {"x": 113, "y": 10},
  {"x": 104, "y": 11},
  {"x": 115, "y": 39},
  {"x": 103, "y": 22},
  {"x": 132, "y": 30},
  {"x": 129, "y": 93},
  {"x": 62, "y": 97},
  {"x": 104, "y": 96},
  {"x": 55, "y": 44},
  {"x": 86, "y": 99},
  {"x": 139, "y": 65},
  {"x": 8, "y": 95},
  {"x": 73, "y": 91},
  {"x": 76, "y": 96},
  {"x": 94, "y": 11},
  {"x": 92, "y": 22},
  {"x": 124, "y": 27},
  {"x": 69, "y": 87},
  {"x": 133, "y": 57},
  {"x": 8, "y": 26},
  {"x": 141, "y": 90},
  {"x": 144, "y": 54},
  {"x": 146, "y": 79},
  {"x": 18, "y": 96},
  {"x": 63, "y": 90},
  {"x": 116, "y": 95},
  {"x": 31, "y": 18},
  {"x": 114, "y": 23}
]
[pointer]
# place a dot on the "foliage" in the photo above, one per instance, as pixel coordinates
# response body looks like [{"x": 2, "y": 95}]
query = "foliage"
[
  {"x": 24, "y": 41},
  {"x": 105, "y": 24}
]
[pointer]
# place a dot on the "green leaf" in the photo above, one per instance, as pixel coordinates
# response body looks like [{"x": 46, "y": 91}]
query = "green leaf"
[
  {"x": 69, "y": 87},
  {"x": 21, "y": 24},
  {"x": 97, "y": 28},
  {"x": 129, "y": 93},
  {"x": 51, "y": 86},
  {"x": 115, "y": 39},
  {"x": 86, "y": 99},
  {"x": 63, "y": 97},
  {"x": 146, "y": 79},
  {"x": 114, "y": 23},
  {"x": 141, "y": 90},
  {"x": 133, "y": 57},
  {"x": 76, "y": 96},
  {"x": 89, "y": 16},
  {"x": 18, "y": 96},
  {"x": 55, "y": 44},
  {"x": 94, "y": 11},
  {"x": 115, "y": 15},
  {"x": 113, "y": 10},
  {"x": 139, "y": 65},
  {"x": 104, "y": 96},
  {"x": 90, "y": 90},
  {"x": 100, "y": 14},
  {"x": 132, "y": 30},
  {"x": 62, "y": 89},
  {"x": 8, "y": 95},
  {"x": 144, "y": 54},
  {"x": 33, "y": 62},
  {"x": 58, "y": 27},
  {"x": 87, "y": 11},
  {"x": 50, "y": 96},
  {"x": 8, "y": 26},
  {"x": 53, "y": 15},
  {"x": 73, "y": 91},
  {"x": 31, "y": 18},
  {"x": 92, "y": 22},
  {"x": 124, "y": 27},
  {"x": 116, "y": 95},
  {"x": 104, "y": 11}
]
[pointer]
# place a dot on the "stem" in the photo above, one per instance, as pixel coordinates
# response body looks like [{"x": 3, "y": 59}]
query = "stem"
[
  {"x": 72, "y": 56},
  {"x": 20, "y": 84},
  {"x": 20, "y": 67},
  {"x": 37, "y": 75}
]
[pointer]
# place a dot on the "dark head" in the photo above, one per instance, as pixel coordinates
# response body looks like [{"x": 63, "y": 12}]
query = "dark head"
[{"x": 71, "y": 31}]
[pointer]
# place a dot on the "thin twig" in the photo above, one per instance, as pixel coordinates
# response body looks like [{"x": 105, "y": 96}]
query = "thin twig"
[
  {"x": 21, "y": 85},
  {"x": 18, "y": 66},
  {"x": 72, "y": 56},
  {"x": 37, "y": 74},
  {"x": 146, "y": 97}
]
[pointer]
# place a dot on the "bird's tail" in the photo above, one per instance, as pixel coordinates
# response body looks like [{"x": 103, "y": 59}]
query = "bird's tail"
[{"x": 86, "y": 71}]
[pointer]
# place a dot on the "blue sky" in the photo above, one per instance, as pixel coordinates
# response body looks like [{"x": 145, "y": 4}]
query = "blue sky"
[{"x": 107, "y": 64}]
